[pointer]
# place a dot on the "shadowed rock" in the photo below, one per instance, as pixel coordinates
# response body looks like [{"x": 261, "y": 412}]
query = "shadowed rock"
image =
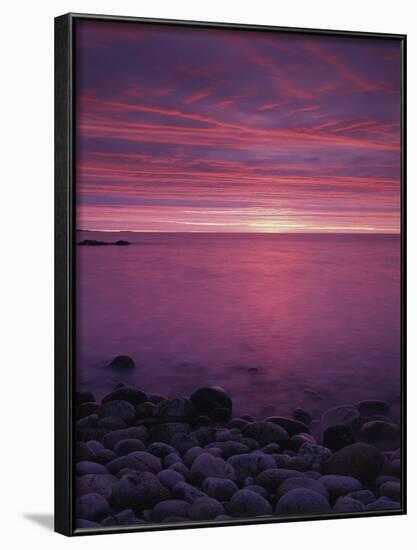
[{"x": 302, "y": 501}]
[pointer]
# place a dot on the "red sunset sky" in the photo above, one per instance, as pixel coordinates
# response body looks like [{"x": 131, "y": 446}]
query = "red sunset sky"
[{"x": 184, "y": 129}]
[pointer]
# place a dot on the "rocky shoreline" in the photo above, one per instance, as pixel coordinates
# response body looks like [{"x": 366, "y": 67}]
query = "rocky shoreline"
[{"x": 144, "y": 459}]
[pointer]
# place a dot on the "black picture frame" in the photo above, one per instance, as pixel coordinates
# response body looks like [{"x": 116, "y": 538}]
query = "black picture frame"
[{"x": 65, "y": 270}]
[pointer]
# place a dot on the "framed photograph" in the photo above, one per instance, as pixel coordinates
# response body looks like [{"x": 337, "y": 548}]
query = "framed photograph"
[{"x": 230, "y": 274}]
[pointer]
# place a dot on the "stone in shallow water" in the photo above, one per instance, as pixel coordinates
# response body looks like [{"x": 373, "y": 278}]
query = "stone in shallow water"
[
  {"x": 384, "y": 435},
  {"x": 206, "y": 465},
  {"x": 218, "y": 488},
  {"x": 92, "y": 507},
  {"x": 175, "y": 410},
  {"x": 163, "y": 433},
  {"x": 373, "y": 407},
  {"x": 135, "y": 432},
  {"x": 361, "y": 461},
  {"x": 248, "y": 504},
  {"x": 304, "y": 483},
  {"x": 139, "y": 491},
  {"x": 291, "y": 426},
  {"x": 347, "y": 504},
  {"x": 126, "y": 393},
  {"x": 205, "y": 508},
  {"x": 205, "y": 400},
  {"x": 170, "y": 508},
  {"x": 337, "y": 437},
  {"x": 265, "y": 432},
  {"x": 121, "y": 409},
  {"x": 145, "y": 410},
  {"x": 338, "y": 485},
  {"x": 341, "y": 416},
  {"x": 302, "y": 501},
  {"x": 86, "y": 409},
  {"x": 302, "y": 416},
  {"x": 122, "y": 362},
  {"x": 81, "y": 397}
]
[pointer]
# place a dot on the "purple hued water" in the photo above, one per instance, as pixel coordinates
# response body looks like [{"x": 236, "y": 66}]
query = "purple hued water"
[{"x": 279, "y": 321}]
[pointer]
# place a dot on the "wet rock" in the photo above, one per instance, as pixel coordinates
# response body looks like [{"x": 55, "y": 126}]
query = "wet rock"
[
  {"x": 169, "y": 478},
  {"x": 125, "y": 517},
  {"x": 250, "y": 442},
  {"x": 156, "y": 398},
  {"x": 250, "y": 464},
  {"x": 296, "y": 441},
  {"x": 304, "y": 483},
  {"x": 203, "y": 420},
  {"x": 271, "y": 479},
  {"x": 339, "y": 485},
  {"x": 86, "y": 409},
  {"x": 172, "y": 458},
  {"x": 119, "y": 408},
  {"x": 122, "y": 362},
  {"x": 205, "y": 508},
  {"x": 337, "y": 437},
  {"x": 85, "y": 467},
  {"x": 165, "y": 432},
  {"x": 290, "y": 425},
  {"x": 83, "y": 451},
  {"x": 187, "y": 492},
  {"x": 104, "y": 456},
  {"x": 101, "y": 484},
  {"x": 111, "y": 423},
  {"x": 183, "y": 442},
  {"x": 382, "y": 503},
  {"x": 238, "y": 423},
  {"x": 257, "y": 489},
  {"x": 170, "y": 508},
  {"x": 81, "y": 397},
  {"x": 373, "y": 407},
  {"x": 161, "y": 450},
  {"x": 345, "y": 505},
  {"x": 384, "y": 435},
  {"x": 341, "y": 416},
  {"x": 221, "y": 415},
  {"x": 205, "y": 400},
  {"x": 248, "y": 504},
  {"x": 139, "y": 491},
  {"x": 175, "y": 410},
  {"x": 88, "y": 434},
  {"x": 365, "y": 496},
  {"x": 139, "y": 461},
  {"x": 206, "y": 465},
  {"x": 204, "y": 436},
  {"x": 391, "y": 490},
  {"x": 192, "y": 454},
  {"x": 362, "y": 461},
  {"x": 271, "y": 448},
  {"x": 92, "y": 507},
  {"x": 302, "y": 416},
  {"x": 314, "y": 455},
  {"x": 126, "y": 393},
  {"x": 265, "y": 432},
  {"x": 126, "y": 446},
  {"x": 135, "y": 432},
  {"x": 302, "y": 501},
  {"x": 223, "y": 435},
  {"x": 218, "y": 488},
  {"x": 145, "y": 410},
  {"x": 232, "y": 448},
  {"x": 89, "y": 421},
  {"x": 182, "y": 469}
]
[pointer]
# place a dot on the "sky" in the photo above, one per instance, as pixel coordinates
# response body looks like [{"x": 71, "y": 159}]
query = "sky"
[{"x": 189, "y": 129}]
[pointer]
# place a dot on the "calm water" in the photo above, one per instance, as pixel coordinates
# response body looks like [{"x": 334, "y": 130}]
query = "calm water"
[{"x": 279, "y": 321}]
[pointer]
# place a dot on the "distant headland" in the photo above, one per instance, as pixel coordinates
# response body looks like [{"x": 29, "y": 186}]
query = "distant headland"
[{"x": 94, "y": 242}]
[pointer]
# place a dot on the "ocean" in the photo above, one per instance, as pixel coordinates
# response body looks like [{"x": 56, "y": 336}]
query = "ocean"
[{"x": 278, "y": 320}]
